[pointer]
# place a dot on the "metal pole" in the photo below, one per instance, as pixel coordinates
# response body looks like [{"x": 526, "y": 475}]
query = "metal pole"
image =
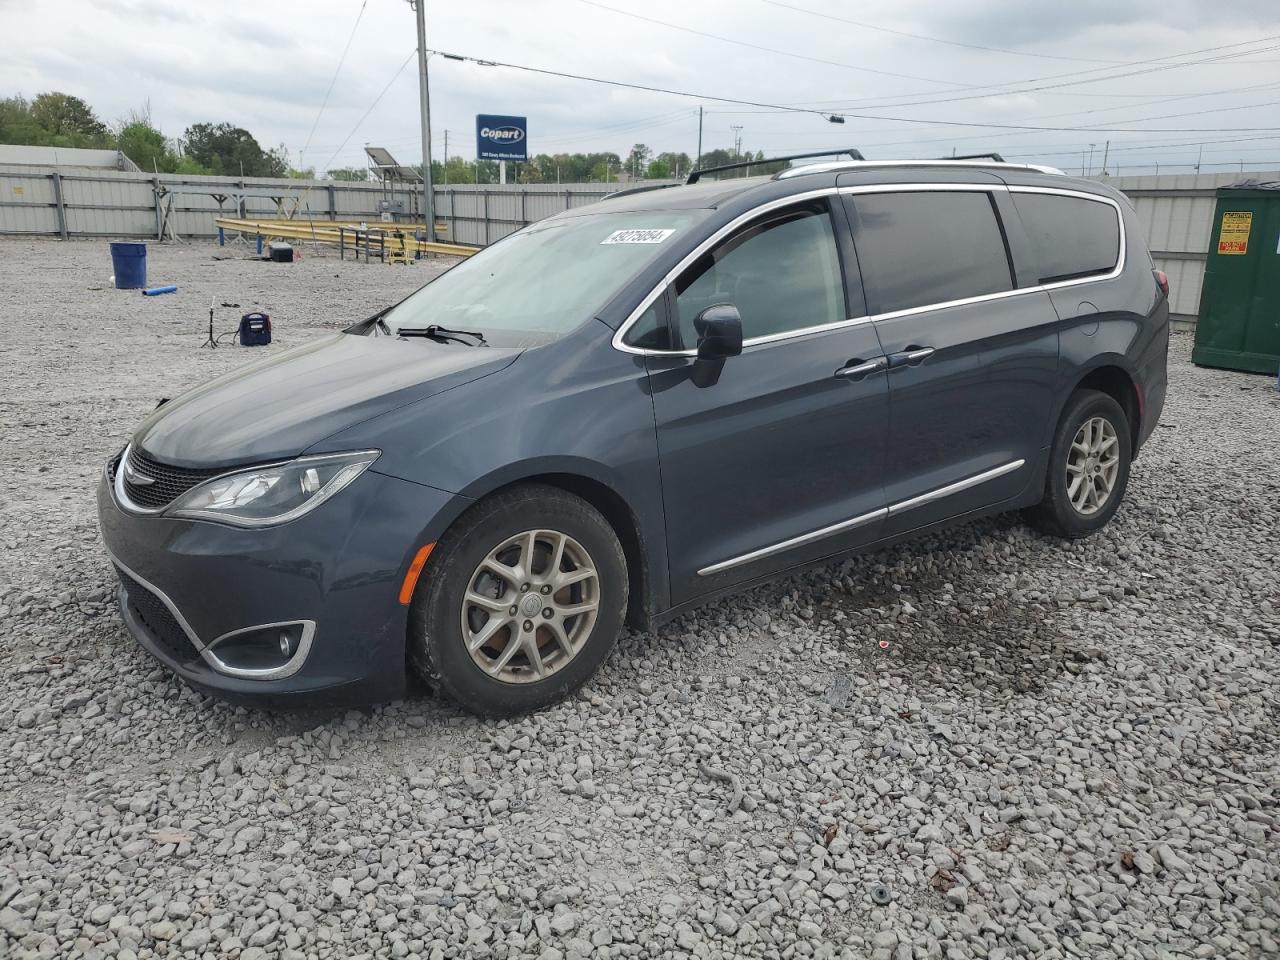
[
  {"x": 428, "y": 201},
  {"x": 1105, "y": 153},
  {"x": 698, "y": 162},
  {"x": 59, "y": 206},
  {"x": 445, "y": 167}
]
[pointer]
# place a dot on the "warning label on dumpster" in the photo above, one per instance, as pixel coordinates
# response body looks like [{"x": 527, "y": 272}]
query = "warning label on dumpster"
[{"x": 1233, "y": 239}]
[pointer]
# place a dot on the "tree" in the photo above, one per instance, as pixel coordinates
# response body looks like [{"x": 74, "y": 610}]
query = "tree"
[
  {"x": 658, "y": 170},
  {"x": 232, "y": 151},
  {"x": 146, "y": 146},
  {"x": 678, "y": 164},
  {"x": 68, "y": 120},
  {"x": 350, "y": 173},
  {"x": 638, "y": 160},
  {"x": 17, "y": 125}
]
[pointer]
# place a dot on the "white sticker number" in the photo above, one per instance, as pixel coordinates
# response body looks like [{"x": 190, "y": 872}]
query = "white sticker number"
[{"x": 637, "y": 235}]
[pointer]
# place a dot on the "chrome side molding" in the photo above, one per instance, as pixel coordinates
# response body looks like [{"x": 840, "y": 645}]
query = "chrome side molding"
[{"x": 892, "y": 510}]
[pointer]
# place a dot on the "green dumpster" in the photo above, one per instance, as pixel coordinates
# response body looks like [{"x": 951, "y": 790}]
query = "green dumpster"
[{"x": 1239, "y": 325}]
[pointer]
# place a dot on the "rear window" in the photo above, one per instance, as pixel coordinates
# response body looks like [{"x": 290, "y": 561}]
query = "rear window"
[
  {"x": 927, "y": 247},
  {"x": 1070, "y": 237}
]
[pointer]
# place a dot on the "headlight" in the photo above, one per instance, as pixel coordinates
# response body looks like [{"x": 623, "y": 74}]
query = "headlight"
[{"x": 265, "y": 496}]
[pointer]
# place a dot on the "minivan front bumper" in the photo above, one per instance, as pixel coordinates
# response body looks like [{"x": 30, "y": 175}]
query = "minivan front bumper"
[{"x": 306, "y": 611}]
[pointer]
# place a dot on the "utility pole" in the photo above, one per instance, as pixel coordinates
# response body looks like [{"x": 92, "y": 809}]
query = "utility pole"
[
  {"x": 1105, "y": 153},
  {"x": 424, "y": 96},
  {"x": 1089, "y": 168},
  {"x": 445, "y": 166},
  {"x": 1199, "y": 157},
  {"x": 697, "y": 163}
]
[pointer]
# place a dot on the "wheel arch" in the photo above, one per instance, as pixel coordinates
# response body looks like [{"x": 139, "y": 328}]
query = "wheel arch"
[
  {"x": 594, "y": 485},
  {"x": 1117, "y": 382}
]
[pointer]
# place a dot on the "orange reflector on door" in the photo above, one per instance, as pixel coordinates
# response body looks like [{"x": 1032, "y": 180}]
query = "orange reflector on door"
[{"x": 415, "y": 568}]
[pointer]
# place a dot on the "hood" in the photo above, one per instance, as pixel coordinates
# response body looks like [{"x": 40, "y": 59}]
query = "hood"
[{"x": 276, "y": 409}]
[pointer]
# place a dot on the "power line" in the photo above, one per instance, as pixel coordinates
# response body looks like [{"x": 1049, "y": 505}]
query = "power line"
[
  {"x": 334, "y": 79},
  {"x": 919, "y": 36},
  {"x": 774, "y": 50},
  {"x": 1155, "y": 65},
  {"x": 825, "y": 114},
  {"x": 376, "y": 100}
]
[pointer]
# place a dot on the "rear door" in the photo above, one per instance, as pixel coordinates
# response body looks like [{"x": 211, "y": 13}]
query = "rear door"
[
  {"x": 972, "y": 361},
  {"x": 779, "y": 460}
]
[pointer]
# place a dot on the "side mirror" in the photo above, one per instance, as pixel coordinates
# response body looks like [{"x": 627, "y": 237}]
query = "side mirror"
[{"x": 719, "y": 329}]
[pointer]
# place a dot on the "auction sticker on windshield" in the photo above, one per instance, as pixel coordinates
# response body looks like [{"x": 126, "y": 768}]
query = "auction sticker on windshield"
[{"x": 637, "y": 235}]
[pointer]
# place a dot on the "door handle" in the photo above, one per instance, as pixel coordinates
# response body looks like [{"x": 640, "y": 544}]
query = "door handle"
[
  {"x": 860, "y": 369},
  {"x": 912, "y": 357}
]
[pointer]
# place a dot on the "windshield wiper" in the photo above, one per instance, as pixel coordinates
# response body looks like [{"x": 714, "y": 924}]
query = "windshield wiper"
[{"x": 436, "y": 332}]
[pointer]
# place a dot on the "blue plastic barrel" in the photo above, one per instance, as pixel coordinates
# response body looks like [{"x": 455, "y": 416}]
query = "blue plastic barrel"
[{"x": 130, "y": 263}]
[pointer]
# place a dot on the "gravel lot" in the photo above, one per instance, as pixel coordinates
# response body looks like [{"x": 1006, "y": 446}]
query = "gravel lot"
[{"x": 1066, "y": 749}]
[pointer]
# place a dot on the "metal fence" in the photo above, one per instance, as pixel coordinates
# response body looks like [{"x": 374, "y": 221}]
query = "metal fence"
[
  {"x": 67, "y": 203},
  {"x": 1176, "y": 211}
]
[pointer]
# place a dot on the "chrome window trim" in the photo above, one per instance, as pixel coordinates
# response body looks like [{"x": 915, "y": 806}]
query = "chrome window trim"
[
  {"x": 670, "y": 277},
  {"x": 698, "y": 251},
  {"x": 861, "y": 520}
]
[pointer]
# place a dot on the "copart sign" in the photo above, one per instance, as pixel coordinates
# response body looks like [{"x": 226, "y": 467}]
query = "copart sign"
[{"x": 502, "y": 138}]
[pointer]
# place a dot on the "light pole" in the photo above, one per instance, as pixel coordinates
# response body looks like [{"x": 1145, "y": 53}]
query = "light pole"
[{"x": 428, "y": 199}]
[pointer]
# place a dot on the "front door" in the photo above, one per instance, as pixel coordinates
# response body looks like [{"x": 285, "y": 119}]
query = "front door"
[{"x": 779, "y": 460}]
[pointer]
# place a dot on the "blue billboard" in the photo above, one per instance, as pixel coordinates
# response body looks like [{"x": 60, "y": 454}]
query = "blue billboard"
[{"x": 502, "y": 138}]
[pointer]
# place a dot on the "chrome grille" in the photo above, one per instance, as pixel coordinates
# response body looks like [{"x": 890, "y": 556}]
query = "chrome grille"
[{"x": 168, "y": 483}]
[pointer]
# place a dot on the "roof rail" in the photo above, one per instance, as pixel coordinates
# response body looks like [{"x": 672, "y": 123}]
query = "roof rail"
[
  {"x": 852, "y": 152},
  {"x": 641, "y": 189},
  {"x": 976, "y": 156},
  {"x": 839, "y": 165}
]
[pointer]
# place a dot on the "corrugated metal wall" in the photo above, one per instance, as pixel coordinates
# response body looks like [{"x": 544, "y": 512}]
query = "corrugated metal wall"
[
  {"x": 1176, "y": 210},
  {"x": 1176, "y": 213},
  {"x": 123, "y": 205}
]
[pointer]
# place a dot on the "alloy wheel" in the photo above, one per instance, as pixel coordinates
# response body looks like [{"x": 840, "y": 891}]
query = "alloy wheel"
[
  {"x": 530, "y": 606},
  {"x": 1093, "y": 464}
]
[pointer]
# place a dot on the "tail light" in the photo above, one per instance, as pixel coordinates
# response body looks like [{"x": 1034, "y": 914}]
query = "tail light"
[{"x": 1162, "y": 281}]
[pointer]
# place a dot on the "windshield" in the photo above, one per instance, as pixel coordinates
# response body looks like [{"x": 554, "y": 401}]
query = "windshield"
[{"x": 540, "y": 283}]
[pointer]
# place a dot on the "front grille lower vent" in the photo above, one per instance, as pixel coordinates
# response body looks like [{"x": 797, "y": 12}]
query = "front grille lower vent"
[
  {"x": 167, "y": 483},
  {"x": 158, "y": 620}
]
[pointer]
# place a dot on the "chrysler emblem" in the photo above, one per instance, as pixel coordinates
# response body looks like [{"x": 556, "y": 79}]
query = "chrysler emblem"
[{"x": 136, "y": 478}]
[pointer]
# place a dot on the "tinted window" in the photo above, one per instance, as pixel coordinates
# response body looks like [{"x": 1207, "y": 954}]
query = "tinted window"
[
  {"x": 1070, "y": 237},
  {"x": 781, "y": 272},
  {"x": 928, "y": 247},
  {"x": 650, "y": 331}
]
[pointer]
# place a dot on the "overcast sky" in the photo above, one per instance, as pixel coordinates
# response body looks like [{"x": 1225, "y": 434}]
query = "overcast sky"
[{"x": 266, "y": 65}]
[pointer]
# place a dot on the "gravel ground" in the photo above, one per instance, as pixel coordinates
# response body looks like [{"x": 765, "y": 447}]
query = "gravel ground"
[{"x": 1065, "y": 749}]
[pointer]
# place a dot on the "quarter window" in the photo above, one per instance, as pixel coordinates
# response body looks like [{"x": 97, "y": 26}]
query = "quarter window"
[
  {"x": 927, "y": 247},
  {"x": 1070, "y": 237},
  {"x": 781, "y": 272}
]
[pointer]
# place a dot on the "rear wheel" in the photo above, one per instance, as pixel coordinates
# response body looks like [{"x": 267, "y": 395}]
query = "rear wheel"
[
  {"x": 522, "y": 601},
  {"x": 1088, "y": 467}
]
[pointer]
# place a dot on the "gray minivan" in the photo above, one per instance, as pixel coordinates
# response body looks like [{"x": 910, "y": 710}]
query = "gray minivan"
[{"x": 635, "y": 407}]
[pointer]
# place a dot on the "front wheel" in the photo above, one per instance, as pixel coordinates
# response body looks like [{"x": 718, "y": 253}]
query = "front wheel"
[
  {"x": 1088, "y": 467},
  {"x": 521, "y": 602}
]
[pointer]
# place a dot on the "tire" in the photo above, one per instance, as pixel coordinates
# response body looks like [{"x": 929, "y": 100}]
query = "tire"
[
  {"x": 473, "y": 588},
  {"x": 1062, "y": 512}
]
